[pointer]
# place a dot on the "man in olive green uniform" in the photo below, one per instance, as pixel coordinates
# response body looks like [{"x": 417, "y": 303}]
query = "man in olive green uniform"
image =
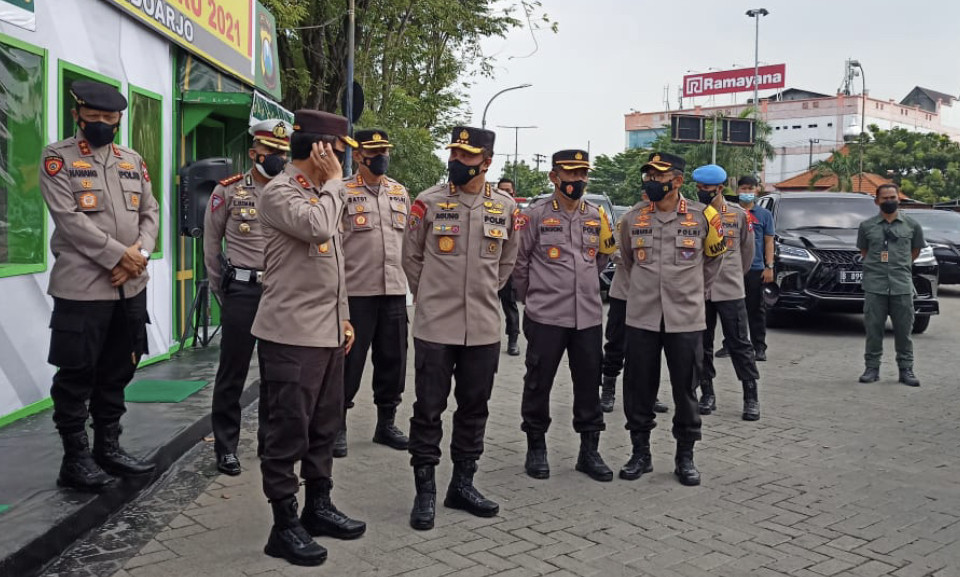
[
  {"x": 669, "y": 247},
  {"x": 459, "y": 250},
  {"x": 106, "y": 218},
  {"x": 889, "y": 243},
  {"x": 564, "y": 244},
  {"x": 373, "y": 224},
  {"x": 304, "y": 332},
  {"x": 235, "y": 276}
]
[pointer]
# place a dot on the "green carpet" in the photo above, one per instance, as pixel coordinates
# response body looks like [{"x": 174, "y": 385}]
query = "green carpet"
[{"x": 161, "y": 391}]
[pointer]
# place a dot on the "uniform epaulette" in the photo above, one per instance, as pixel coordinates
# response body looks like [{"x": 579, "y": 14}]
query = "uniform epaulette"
[{"x": 231, "y": 179}]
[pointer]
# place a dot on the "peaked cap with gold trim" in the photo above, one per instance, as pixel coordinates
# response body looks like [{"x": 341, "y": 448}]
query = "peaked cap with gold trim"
[
  {"x": 572, "y": 159},
  {"x": 273, "y": 133},
  {"x": 473, "y": 140},
  {"x": 373, "y": 139}
]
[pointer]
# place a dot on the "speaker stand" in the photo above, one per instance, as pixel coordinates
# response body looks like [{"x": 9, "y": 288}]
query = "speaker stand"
[{"x": 200, "y": 313}]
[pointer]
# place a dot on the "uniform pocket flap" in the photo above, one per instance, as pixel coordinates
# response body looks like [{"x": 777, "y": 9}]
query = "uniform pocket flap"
[
  {"x": 357, "y": 208},
  {"x": 283, "y": 372},
  {"x": 494, "y": 231},
  {"x": 398, "y": 206},
  {"x": 689, "y": 242}
]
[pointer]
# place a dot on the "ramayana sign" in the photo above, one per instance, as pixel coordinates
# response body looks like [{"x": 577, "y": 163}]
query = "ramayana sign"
[{"x": 730, "y": 81}]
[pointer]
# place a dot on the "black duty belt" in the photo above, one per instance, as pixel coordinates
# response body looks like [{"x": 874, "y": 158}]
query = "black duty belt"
[{"x": 247, "y": 275}]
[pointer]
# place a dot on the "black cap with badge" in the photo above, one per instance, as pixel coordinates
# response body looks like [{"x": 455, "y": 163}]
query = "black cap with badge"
[
  {"x": 373, "y": 139},
  {"x": 664, "y": 161},
  {"x": 473, "y": 140},
  {"x": 571, "y": 159},
  {"x": 97, "y": 95}
]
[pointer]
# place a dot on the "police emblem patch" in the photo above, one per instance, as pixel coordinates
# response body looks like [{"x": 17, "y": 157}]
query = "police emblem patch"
[
  {"x": 360, "y": 220},
  {"x": 323, "y": 248},
  {"x": 446, "y": 244},
  {"x": 553, "y": 253},
  {"x": 88, "y": 201},
  {"x": 52, "y": 165}
]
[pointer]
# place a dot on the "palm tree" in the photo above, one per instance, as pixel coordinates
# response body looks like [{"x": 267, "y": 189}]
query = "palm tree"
[{"x": 841, "y": 165}]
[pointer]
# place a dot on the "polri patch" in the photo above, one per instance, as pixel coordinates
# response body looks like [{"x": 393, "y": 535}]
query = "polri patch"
[{"x": 52, "y": 165}]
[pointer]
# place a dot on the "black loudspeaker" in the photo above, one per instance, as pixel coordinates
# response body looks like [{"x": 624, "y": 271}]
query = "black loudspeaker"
[{"x": 197, "y": 181}]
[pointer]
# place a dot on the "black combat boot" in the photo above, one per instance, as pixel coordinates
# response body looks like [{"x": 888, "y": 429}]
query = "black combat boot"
[
  {"x": 536, "y": 464},
  {"x": 289, "y": 540},
  {"x": 461, "y": 494},
  {"x": 387, "y": 432},
  {"x": 321, "y": 517},
  {"x": 608, "y": 394},
  {"x": 659, "y": 407},
  {"x": 589, "y": 460},
  {"x": 686, "y": 471},
  {"x": 751, "y": 401},
  {"x": 908, "y": 378},
  {"x": 870, "y": 375},
  {"x": 708, "y": 401},
  {"x": 425, "y": 503},
  {"x": 640, "y": 461},
  {"x": 340, "y": 442},
  {"x": 108, "y": 453},
  {"x": 513, "y": 349},
  {"x": 78, "y": 469}
]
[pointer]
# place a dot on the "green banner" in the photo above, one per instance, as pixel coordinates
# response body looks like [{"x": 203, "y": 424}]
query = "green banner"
[
  {"x": 266, "y": 60},
  {"x": 19, "y": 13},
  {"x": 264, "y": 109}
]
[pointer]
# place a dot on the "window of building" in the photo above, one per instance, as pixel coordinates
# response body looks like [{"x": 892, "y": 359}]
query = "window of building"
[
  {"x": 811, "y": 126},
  {"x": 829, "y": 125},
  {"x": 23, "y": 215},
  {"x": 806, "y": 105},
  {"x": 797, "y": 126},
  {"x": 816, "y": 105},
  {"x": 145, "y": 124}
]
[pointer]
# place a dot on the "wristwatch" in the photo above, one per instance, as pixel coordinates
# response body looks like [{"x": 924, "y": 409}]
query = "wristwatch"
[
  {"x": 145, "y": 253},
  {"x": 769, "y": 266}
]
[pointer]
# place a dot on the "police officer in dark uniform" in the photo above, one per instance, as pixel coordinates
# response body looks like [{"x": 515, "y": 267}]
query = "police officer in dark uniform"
[
  {"x": 458, "y": 251},
  {"x": 304, "y": 332},
  {"x": 725, "y": 297},
  {"x": 100, "y": 198},
  {"x": 564, "y": 243},
  {"x": 235, "y": 277}
]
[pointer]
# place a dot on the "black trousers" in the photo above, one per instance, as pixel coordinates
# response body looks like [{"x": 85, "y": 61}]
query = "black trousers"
[
  {"x": 733, "y": 323},
  {"x": 756, "y": 310},
  {"x": 511, "y": 313},
  {"x": 474, "y": 369},
  {"x": 91, "y": 343},
  {"x": 641, "y": 379},
  {"x": 380, "y": 321},
  {"x": 615, "y": 347},
  {"x": 304, "y": 391},
  {"x": 545, "y": 347},
  {"x": 237, "y": 311}
]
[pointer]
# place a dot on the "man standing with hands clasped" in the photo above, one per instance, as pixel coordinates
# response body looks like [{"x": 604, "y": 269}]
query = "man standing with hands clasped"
[{"x": 889, "y": 243}]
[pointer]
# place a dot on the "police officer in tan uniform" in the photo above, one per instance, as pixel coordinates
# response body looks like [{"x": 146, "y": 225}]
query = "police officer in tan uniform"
[
  {"x": 106, "y": 218},
  {"x": 235, "y": 276},
  {"x": 564, "y": 244},
  {"x": 304, "y": 332},
  {"x": 459, "y": 250},
  {"x": 669, "y": 247},
  {"x": 726, "y": 297},
  {"x": 373, "y": 225}
]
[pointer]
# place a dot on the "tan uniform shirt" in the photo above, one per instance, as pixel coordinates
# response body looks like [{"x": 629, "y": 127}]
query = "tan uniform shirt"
[
  {"x": 233, "y": 215},
  {"x": 663, "y": 254},
  {"x": 101, "y": 203},
  {"x": 373, "y": 225},
  {"x": 459, "y": 250},
  {"x": 620, "y": 286},
  {"x": 557, "y": 275},
  {"x": 304, "y": 298},
  {"x": 738, "y": 236}
]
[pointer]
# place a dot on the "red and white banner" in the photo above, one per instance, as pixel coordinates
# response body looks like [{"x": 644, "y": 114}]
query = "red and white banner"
[{"x": 729, "y": 81}]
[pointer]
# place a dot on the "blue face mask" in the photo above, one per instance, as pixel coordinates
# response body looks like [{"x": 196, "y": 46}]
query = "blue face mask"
[{"x": 747, "y": 197}]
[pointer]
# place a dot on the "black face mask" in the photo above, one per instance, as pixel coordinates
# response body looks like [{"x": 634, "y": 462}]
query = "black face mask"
[
  {"x": 889, "y": 206},
  {"x": 378, "y": 164},
  {"x": 341, "y": 155},
  {"x": 461, "y": 173},
  {"x": 657, "y": 191},
  {"x": 734, "y": 198},
  {"x": 270, "y": 165},
  {"x": 705, "y": 196},
  {"x": 98, "y": 133},
  {"x": 572, "y": 189}
]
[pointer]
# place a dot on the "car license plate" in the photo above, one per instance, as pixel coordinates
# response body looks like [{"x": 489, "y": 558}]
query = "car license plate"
[{"x": 851, "y": 276}]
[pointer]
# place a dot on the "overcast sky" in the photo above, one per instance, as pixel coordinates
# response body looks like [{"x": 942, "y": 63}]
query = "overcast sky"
[{"x": 611, "y": 56}]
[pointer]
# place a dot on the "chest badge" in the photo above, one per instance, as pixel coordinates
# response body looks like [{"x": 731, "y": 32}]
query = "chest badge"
[
  {"x": 88, "y": 200},
  {"x": 641, "y": 255},
  {"x": 553, "y": 253},
  {"x": 446, "y": 244},
  {"x": 323, "y": 248},
  {"x": 360, "y": 220},
  {"x": 244, "y": 228},
  {"x": 492, "y": 247}
]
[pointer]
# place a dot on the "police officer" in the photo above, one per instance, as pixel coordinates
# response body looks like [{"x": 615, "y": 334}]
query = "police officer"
[
  {"x": 889, "y": 243},
  {"x": 235, "y": 278},
  {"x": 373, "y": 225},
  {"x": 458, "y": 251},
  {"x": 304, "y": 332},
  {"x": 106, "y": 219},
  {"x": 564, "y": 243},
  {"x": 669, "y": 247},
  {"x": 508, "y": 297},
  {"x": 726, "y": 297}
]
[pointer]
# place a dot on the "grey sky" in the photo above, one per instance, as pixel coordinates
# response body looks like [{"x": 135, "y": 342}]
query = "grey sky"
[{"x": 611, "y": 56}]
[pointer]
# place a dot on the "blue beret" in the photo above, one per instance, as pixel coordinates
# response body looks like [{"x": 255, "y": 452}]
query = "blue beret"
[{"x": 710, "y": 174}]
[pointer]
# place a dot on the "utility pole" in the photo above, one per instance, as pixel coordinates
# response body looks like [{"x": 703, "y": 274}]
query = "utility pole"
[
  {"x": 538, "y": 158},
  {"x": 756, "y": 13},
  {"x": 516, "y": 147},
  {"x": 812, "y": 142}
]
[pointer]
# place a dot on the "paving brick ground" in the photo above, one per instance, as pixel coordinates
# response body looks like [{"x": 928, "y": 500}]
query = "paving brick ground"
[{"x": 837, "y": 478}]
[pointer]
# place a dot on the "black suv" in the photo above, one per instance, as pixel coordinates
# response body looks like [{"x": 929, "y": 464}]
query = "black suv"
[{"x": 817, "y": 263}]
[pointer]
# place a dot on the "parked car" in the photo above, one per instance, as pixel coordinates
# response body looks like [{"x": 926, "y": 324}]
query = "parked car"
[
  {"x": 817, "y": 264},
  {"x": 941, "y": 229}
]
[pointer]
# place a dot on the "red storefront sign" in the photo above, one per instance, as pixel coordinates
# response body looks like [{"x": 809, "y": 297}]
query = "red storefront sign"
[{"x": 729, "y": 81}]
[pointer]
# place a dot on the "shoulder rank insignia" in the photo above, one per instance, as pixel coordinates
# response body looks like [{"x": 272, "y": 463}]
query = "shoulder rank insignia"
[
  {"x": 84, "y": 148},
  {"x": 303, "y": 181},
  {"x": 231, "y": 179},
  {"x": 116, "y": 150},
  {"x": 82, "y": 164},
  {"x": 52, "y": 165},
  {"x": 143, "y": 169}
]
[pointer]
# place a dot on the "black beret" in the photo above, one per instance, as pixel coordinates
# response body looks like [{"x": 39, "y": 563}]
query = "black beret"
[
  {"x": 664, "y": 161},
  {"x": 473, "y": 140},
  {"x": 572, "y": 159},
  {"x": 97, "y": 95},
  {"x": 374, "y": 138}
]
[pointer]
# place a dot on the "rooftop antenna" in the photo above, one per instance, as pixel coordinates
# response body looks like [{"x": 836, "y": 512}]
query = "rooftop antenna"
[{"x": 666, "y": 97}]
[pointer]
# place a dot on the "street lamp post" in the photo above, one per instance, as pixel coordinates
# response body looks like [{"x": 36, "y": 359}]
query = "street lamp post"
[
  {"x": 756, "y": 13},
  {"x": 863, "y": 116},
  {"x": 483, "y": 122}
]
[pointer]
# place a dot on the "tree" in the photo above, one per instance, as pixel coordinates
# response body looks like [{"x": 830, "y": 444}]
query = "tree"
[
  {"x": 619, "y": 176},
  {"x": 527, "y": 180},
  {"x": 842, "y": 165},
  {"x": 925, "y": 165}
]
